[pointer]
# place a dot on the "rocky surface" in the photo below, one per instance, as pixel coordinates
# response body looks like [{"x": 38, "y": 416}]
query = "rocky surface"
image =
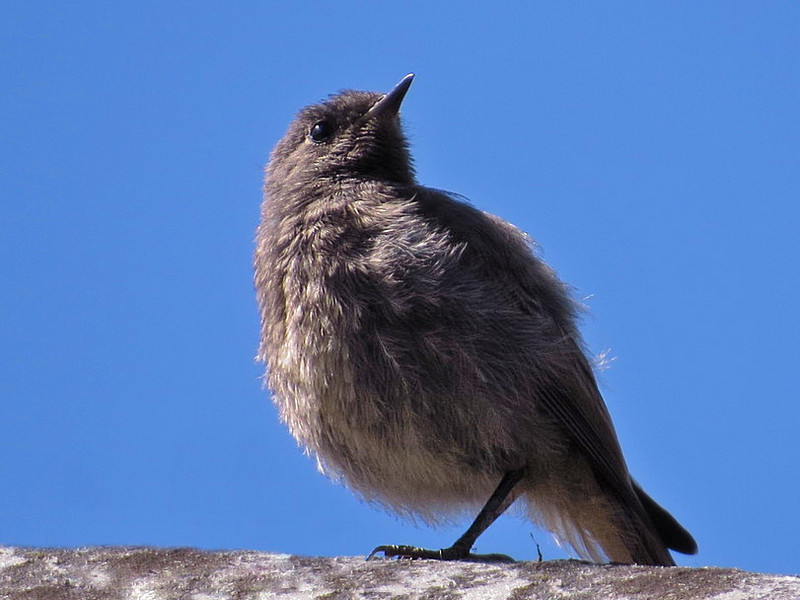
[{"x": 101, "y": 573}]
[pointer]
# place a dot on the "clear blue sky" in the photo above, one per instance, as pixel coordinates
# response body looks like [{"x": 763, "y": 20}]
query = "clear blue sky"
[{"x": 653, "y": 149}]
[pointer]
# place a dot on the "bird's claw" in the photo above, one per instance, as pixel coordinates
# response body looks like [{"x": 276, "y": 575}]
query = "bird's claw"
[
  {"x": 452, "y": 553},
  {"x": 402, "y": 551}
]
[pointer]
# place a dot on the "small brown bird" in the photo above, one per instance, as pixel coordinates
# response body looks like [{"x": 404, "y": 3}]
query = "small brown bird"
[{"x": 424, "y": 354}]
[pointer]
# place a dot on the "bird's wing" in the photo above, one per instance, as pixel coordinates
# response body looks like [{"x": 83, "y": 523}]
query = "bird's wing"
[
  {"x": 577, "y": 404},
  {"x": 569, "y": 394}
]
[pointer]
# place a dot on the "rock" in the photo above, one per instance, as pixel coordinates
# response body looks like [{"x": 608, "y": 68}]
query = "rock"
[{"x": 101, "y": 573}]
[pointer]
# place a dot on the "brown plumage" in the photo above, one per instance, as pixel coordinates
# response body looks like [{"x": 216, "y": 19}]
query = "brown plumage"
[{"x": 423, "y": 353}]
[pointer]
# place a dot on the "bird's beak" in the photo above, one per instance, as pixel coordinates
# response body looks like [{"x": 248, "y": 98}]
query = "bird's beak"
[{"x": 390, "y": 103}]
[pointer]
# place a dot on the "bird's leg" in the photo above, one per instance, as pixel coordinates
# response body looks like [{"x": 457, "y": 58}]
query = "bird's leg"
[{"x": 500, "y": 500}]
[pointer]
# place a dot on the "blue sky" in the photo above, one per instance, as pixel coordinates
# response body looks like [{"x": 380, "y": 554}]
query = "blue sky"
[{"x": 653, "y": 150}]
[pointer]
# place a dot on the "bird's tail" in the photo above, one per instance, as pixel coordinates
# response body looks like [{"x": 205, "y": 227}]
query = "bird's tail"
[
  {"x": 606, "y": 527},
  {"x": 672, "y": 533}
]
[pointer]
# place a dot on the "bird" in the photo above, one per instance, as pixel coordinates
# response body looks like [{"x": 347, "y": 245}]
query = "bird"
[{"x": 422, "y": 351}]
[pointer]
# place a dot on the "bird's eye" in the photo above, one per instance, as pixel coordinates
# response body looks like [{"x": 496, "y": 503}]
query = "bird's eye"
[{"x": 321, "y": 131}]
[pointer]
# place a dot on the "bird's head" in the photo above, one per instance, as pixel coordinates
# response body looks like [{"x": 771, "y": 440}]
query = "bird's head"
[{"x": 352, "y": 135}]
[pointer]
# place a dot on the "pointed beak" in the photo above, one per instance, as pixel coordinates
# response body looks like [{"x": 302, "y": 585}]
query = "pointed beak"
[{"x": 390, "y": 103}]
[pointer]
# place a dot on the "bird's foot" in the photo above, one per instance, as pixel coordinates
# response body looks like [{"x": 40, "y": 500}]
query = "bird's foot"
[{"x": 451, "y": 553}]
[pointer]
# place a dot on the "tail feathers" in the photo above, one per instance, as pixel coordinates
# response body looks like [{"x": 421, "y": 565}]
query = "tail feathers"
[
  {"x": 670, "y": 531},
  {"x": 602, "y": 529},
  {"x": 639, "y": 536},
  {"x": 648, "y": 530},
  {"x": 605, "y": 527}
]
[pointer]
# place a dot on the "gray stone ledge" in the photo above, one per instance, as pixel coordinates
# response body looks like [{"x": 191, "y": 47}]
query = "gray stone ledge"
[{"x": 106, "y": 573}]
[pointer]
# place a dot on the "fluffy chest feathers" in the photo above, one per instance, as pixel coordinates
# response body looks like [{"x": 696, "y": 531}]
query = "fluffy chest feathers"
[{"x": 336, "y": 285}]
